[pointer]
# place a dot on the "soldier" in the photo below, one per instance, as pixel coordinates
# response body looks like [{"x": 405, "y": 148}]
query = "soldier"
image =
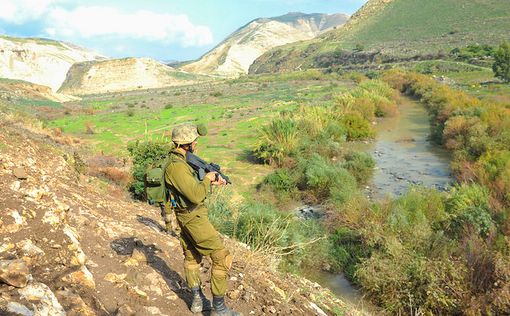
[{"x": 198, "y": 237}]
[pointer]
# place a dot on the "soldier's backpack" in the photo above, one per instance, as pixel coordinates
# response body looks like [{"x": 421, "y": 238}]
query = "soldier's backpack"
[{"x": 155, "y": 188}]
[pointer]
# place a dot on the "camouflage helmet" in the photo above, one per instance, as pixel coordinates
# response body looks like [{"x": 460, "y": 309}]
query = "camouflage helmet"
[{"x": 184, "y": 134}]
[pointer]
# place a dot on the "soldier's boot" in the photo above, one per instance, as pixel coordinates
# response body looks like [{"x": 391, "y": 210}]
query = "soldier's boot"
[
  {"x": 200, "y": 302},
  {"x": 220, "y": 309}
]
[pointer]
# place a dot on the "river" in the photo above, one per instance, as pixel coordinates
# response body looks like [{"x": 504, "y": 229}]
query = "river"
[{"x": 404, "y": 156}]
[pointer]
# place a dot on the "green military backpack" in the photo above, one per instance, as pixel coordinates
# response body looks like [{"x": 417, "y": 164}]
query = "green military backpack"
[{"x": 155, "y": 188}]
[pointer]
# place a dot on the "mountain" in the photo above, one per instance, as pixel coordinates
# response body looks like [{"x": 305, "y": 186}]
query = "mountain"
[
  {"x": 40, "y": 61},
  {"x": 396, "y": 30},
  {"x": 122, "y": 75},
  {"x": 237, "y": 52}
]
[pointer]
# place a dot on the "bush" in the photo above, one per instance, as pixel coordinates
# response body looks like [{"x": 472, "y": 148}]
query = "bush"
[
  {"x": 501, "y": 66},
  {"x": 468, "y": 208},
  {"x": 347, "y": 251},
  {"x": 361, "y": 165},
  {"x": 282, "y": 181},
  {"x": 169, "y": 106},
  {"x": 142, "y": 155},
  {"x": 130, "y": 113},
  {"x": 356, "y": 127}
]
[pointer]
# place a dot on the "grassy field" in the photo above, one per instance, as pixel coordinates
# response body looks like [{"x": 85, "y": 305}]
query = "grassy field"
[{"x": 233, "y": 111}]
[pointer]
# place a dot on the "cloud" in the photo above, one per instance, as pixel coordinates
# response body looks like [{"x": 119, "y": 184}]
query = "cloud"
[
  {"x": 101, "y": 21},
  {"x": 105, "y": 22},
  {"x": 21, "y": 11}
]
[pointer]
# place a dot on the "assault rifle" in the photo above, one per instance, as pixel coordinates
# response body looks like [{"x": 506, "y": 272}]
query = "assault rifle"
[{"x": 203, "y": 167}]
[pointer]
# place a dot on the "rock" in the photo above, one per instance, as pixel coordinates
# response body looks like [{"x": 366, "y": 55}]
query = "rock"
[
  {"x": 75, "y": 304},
  {"x": 28, "y": 249},
  {"x": 5, "y": 247},
  {"x": 115, "y": 278},
  {"x": 20, "y": 173},
  {"x": 15, "y": 186},
  {"x": 42, "y": 298},
  {"x": 234, "y": 294},
  {"x": 125, "y": 310},
  {"x": 280, "y": 292},
  {"x": 153, "y": 310},
  {"x": 317, "y": 309},
  {"x": 81, "y": 277},
  {"x": 136, "y": 257},
  {"x": 14, "y": 272},
  {"x": 19, "y": 309}
]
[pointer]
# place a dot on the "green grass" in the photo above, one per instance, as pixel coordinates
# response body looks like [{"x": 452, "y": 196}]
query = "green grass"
[{"x": 233, "y": 117}]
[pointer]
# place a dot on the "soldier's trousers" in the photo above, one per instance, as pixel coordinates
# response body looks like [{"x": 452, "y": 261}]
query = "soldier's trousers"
[{"x": 199, "y": 238}]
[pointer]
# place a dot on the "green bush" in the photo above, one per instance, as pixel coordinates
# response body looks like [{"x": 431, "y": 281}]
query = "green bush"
[
  {"x": 356, "y": 127},
  {"x": 347, "y": 251},
  {"x": 468, "y": 207},
  {"x": 281, "y": 180},
  {"x": 169, "y": 106},
  {"x": 361, "y": 165},
  {"x": 501, "y": 65},
  {"x": 142, "y": 155}
]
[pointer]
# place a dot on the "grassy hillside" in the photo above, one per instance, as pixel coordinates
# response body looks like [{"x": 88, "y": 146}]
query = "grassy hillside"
[{"x": 399, "y": 29}]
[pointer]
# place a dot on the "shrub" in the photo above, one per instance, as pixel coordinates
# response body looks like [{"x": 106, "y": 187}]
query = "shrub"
[
  {"x": 281, "y": 180},
  {"x": 356, "y": 127},
  {"x": 216, "y": 94},
  {"x": 130, "y": 113},
  {"x": 169, "y": 106},
  {"x": 501, "y": 66},
  {"x": 361, "y": 165},
  {"x": 143, "y": 154},
  {"x": 468, "y": 208}
]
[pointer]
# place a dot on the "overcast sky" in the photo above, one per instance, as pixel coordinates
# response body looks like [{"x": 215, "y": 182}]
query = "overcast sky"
[{"x": 161, "y": 29}]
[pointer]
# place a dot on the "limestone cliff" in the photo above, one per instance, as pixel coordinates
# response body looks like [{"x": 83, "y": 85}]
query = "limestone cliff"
[
  {"x": 40, "y": 61},
  {"x": 237, "y": 52},
  {"x": 122, "y": 75}
]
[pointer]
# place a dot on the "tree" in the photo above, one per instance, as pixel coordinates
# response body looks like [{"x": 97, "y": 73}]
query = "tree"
[{"x": 501, "y": 66}]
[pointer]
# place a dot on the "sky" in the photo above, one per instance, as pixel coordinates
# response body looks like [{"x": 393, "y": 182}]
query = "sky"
[{"x": 165, "y": 30}]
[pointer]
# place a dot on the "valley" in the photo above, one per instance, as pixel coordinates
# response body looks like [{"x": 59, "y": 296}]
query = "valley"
[{"x": 369, "y": 156}]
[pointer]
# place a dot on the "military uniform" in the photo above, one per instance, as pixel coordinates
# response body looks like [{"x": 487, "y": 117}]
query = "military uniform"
[{"x": 198, "y": 237}]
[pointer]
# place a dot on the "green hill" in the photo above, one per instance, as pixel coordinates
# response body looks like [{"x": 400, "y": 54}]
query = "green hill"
[{"x": 397, "y": 30}]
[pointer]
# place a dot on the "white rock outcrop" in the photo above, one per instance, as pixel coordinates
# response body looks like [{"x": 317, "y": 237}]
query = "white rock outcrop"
[{"x": 40, "y": 61}]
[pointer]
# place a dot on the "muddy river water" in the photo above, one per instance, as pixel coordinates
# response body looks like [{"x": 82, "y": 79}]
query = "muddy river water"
[{"x": 404, "y": 157}]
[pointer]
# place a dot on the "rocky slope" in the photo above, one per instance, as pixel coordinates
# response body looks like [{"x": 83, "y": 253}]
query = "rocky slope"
[
  {"x": 71, "y": 244},
  {"x": 122, "y": 75},
  {"x": 237, "y": 52},
  {"x": 40, "y": 61},
  {"x": 389, "y": 31}
]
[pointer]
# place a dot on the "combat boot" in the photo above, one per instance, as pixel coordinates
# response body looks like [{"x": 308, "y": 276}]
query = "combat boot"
[
  {"x": 220, "y": 309},
  {"x": 200, "y": 302}
]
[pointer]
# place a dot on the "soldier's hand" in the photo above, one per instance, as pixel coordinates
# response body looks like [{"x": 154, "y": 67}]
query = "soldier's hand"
[
  {"x": 211, "y": 176},
  {"x": 219, "y": 181}
]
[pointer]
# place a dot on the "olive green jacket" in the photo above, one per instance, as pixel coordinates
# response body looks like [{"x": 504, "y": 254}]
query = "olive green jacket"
[{"x": 188, "y": 192}]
